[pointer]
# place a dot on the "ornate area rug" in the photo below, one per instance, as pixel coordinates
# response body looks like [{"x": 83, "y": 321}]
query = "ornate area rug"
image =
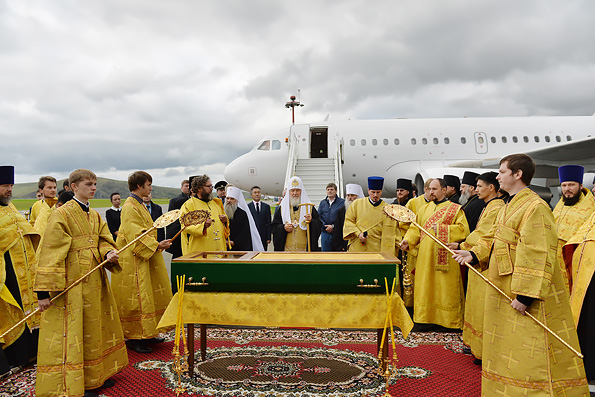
[{"x": 294, "y": 363}]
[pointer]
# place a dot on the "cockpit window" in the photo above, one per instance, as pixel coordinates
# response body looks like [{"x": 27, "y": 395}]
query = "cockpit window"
[
  {"x": 276, "y": 145},
  {"x": 266, "y": 145}
]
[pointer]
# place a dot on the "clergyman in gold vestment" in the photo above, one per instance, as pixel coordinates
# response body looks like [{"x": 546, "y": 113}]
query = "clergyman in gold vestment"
[
  {"x": 212, "y": 234},
  {"x": 81, "y": 344},
  {"x": 142, "y": 289},
  {"x": 519, "y": 356},
  {"x": 367, "y": 228},
  {"x": 18, "y": 243},
  {"x": 438, "y": 289},
  {"x": 575, "y": 206}
]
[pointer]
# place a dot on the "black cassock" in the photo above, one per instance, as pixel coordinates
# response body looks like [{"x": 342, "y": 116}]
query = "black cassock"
[
  {"x": 280, "y": 235},
  {"x": 239, "y": 231},
  {"x": 473, "y": 209},
  {"x": 586, "y": 331}
]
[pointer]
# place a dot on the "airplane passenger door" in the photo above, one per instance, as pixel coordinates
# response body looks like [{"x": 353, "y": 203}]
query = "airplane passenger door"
[
  {"x": 481, "y": 142},
  {"x": 302, "y": 134},
  {"x": 319, "y": 143}
]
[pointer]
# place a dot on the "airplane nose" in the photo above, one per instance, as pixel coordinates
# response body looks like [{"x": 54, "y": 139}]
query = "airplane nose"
[{"x": 236, "y": 171}]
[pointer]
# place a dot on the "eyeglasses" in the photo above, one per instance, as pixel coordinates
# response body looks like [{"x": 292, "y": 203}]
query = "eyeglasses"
[{"x": 209, "y": 186}]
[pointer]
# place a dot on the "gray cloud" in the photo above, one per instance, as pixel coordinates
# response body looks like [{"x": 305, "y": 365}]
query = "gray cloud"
[{"x": 184, "y": 87}]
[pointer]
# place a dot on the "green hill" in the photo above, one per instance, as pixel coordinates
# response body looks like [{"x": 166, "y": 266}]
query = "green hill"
[{"x": 105, "y": 187}]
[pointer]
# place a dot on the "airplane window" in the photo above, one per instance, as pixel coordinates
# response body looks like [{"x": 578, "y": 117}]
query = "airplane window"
[
  {"x": 568, "y": 138},
  {"x": 493, "y": 139},
  {"x": 352, "y": 142},
  {"x": 547, "y": 138},
  {"x": 266, "y": 145},
  {"x": 385, "y": 142},
  {"x": 435, "y": 140},
  {"x": 424, "y": 141},
  {"x": 374, "y": 142},
  {"x": 536, "y": 138},
  {"x": 447, "y": 140},
  {"x": 480, "y": 140},
  {"x": 558, "y": 139},
  {"x": 463, "y": 140},
  {"x": 276, "y": 145},
  {"x": 413, "y": 141},
  {"x": 363, "y": 142},
  {"x": 396, "y": 141},
  {"x": 526, "y": 139},
  {"x": 515, "y": 139}
]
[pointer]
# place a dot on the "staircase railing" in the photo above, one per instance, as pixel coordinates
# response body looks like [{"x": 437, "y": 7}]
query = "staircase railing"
[
  {"x": 339, "y": 166},
  {"x": 291, "y": 157}
]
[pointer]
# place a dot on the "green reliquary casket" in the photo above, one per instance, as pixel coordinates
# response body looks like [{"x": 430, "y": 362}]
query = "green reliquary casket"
[{"x": 291, "y": 272}]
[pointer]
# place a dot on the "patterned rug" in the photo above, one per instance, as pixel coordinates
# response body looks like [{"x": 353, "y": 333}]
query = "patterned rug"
[{"x": 293, "y": 363}]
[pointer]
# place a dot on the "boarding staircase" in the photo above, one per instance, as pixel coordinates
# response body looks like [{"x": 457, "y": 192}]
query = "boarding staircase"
[{"x": 315, "y": 173}]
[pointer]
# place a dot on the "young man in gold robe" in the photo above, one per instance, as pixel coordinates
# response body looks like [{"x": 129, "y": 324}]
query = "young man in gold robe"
[
  {"x": 367, "y": 228},
  {"x": 213, "y": 233},
  {"x": 574, "y": 208},
  {"x": 47, "y": 187},
  {"x": 579, "y": 254},
  {"x": 18, "y": 243},
  {"x": 438, "y": 292},
  {"x": 142, "y": 289},
  {"x": 519, "y": 356},
  {"x": 487, "y": 190},
  {"x": 81, "y": 344}
]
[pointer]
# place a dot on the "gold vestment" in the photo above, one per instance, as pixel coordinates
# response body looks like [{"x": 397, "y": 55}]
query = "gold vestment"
[
  {"x": 142, "y": 289},
  {"x": 520, "y": 357},
  {"x": 438, "y": 290},
  {"x": 81, "y": 343}
]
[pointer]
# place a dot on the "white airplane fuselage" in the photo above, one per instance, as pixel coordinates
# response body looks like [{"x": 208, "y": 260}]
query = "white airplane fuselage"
[{"x": 412, "y": 148}]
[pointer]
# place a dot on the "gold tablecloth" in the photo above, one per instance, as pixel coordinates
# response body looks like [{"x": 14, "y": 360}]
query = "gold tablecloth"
[{"x": 287, "y": 310}]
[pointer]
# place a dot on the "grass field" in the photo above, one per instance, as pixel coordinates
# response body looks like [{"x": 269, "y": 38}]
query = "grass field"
[{"x": 25, "y": 204}]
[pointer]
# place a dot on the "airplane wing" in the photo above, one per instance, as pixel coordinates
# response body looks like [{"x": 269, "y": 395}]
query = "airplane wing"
[{"x": 548, "y": 159}]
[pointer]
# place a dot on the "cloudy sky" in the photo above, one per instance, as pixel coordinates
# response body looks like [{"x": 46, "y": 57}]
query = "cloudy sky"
[{"x": 181, "y": 87}]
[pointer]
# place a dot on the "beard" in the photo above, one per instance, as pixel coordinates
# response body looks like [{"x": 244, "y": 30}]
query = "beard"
[
  {"x": 348, "y": 203},
  {"x": 205, "y": 196},
  {"x": 5, "y": 200},
  {"x": 570, "y": 201},
  {"x": 464, "y": 198},
  {"x": 230, "y": 209},
  {"x": 294, "y": 202}
]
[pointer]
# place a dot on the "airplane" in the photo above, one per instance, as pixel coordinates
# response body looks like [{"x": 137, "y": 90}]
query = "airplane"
[{"x": 417, "y": 149}]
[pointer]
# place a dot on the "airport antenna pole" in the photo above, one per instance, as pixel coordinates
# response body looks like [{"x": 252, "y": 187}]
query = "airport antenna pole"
[{"x": 292, "y": 104}]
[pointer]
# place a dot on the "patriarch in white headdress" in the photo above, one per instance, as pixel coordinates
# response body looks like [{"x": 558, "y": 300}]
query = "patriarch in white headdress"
[{"x": 296, "y": 195}]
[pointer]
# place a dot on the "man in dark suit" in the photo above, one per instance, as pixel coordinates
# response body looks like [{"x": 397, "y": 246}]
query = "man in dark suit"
[
  {"x": 261, "y": 212},
  {"x": 112, "y": 215},
  {"x": 171, "y": 230},
  {"x": 156, "y": 211}
]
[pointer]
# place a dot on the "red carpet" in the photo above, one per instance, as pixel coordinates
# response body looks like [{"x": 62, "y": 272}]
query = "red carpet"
[{"x": 296, "y": 363}]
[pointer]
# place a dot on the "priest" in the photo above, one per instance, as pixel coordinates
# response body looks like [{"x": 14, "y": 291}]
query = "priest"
[
  {"x": 574, "y": 208},
  {"x": 292, "y": 219},
  {"x": 213, "y": 233},
  {"x": 367, "y": 228},
  {"x": 438, "y": 292},
  {"x": 18, "y": 243},
  {"x": 353, "y": 192},
  {"x": 519, "y": 356}
]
